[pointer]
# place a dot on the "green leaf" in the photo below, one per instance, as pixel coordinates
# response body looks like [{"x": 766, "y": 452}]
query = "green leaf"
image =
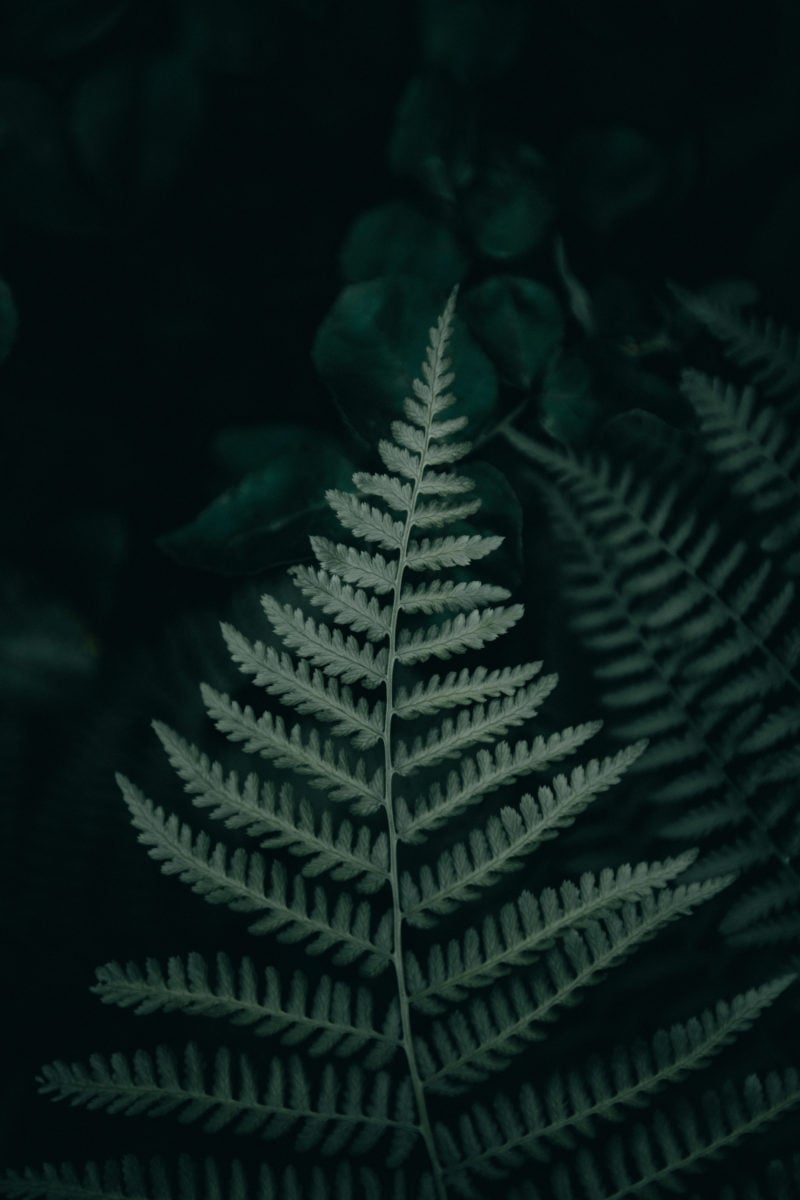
[
  {"x": 610, "y": 173},
  {"x": 399, "y": 239},
  {"x": 264, "y": 518},
  {"x": 519, "y": 322},
  {"x": 567, "y": 409},
  {"x": 509, "y": 210}
]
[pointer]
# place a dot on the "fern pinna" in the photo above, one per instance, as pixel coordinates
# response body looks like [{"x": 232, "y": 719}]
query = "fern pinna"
[{"x": 399, "y": 1059}]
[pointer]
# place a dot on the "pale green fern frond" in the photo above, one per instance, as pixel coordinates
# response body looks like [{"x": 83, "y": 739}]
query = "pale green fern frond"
[
  {"x": 466, "y": 1045},
  {"x": 438, "y": 969},
  {"x": 353, "y": 1111},
  {"x": 535, "y": 1122},
  {"x": 186, "y": 1179},
  {"x": 332, "y": 1018},
  {"x": 279, "y": 819}
]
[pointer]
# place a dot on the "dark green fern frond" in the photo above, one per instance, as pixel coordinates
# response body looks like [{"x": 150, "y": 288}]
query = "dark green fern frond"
[
  {"x": 129, "y": 1179},
  {"x": 383, "y": 845},
  {"x": 696, "y": 651},
  {"x": 770, "y": 351},
  {"x": 755, "y": 446}
]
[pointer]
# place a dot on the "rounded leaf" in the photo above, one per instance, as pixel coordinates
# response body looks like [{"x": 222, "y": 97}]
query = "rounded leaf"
[
  {"x": 519, "y": 322},
  {"x": 509, "y": 210},
  {"x": 263, "y": 519},
  {"x": 397, "y": 239}
]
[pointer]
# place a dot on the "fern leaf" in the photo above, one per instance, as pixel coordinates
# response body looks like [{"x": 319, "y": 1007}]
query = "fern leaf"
[
  {"x": 484, "y": 773},
  {"x": 266, "y": 735},
  {"x": 462, "y": 687},
  {"x": 278, "y": 819},
  {"x": 389, "y": 488},
  {"x": 689, "y": 632},
  {"x": 354, "y": 1112},
  {"x": 130, "y": 1178},
  {"x": 307, "y": 690},
  {"x": 238, "y": 880},
  {"x": 531, "y": 924},
  {"x": 482, "y": 723},
  {"x": 332, "y": 1018},
  {"x": 470, "y": 1043},
  {"x": 507, "y": 1132},
  {"x": 510, "y": 836},
  {"x": 443, "y": 595},
  {"x": 772, "y": 350},
  {"x": 347, "y": 605},
  {"x": 451, "y": 637},
  {"x": 359, "y": 567},
  {"x": 341, "y": 656},
  {"x": 365, "y": 520},
  {"x": 657, "y": 1154},
  {"x": 432, "y": 554}
]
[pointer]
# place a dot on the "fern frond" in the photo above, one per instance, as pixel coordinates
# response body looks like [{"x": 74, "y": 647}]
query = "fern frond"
[
  {"x": 755, "y": 447},
  {"x": 355, "y": 566},
  {"x": 762, "y": 903},
  {"x": 469, "y": 1044},
  {"x": 366, "y": 521},
  {"x": 507, "y": 1132},
  {"x": 481, "y": 723},
  {"x": 279, "y": 819},
  {"x": 238, "y": 880},
  {"x": 130, "y": 1178},
  {"x": 307, "y": 690},
  {"x": 330, "y": 1018},
  {"x": 530, "y": 925},
  {"x": 344, "y": 657},
  {"x": 683, "y": 1139},
  {"x": 354, "y": 1111},
  {"x": 700, "y": 706},
  {"x": 451, "y": 637},
  {"x": 771, "y": 351},
  {"x": 687, "y": 628},
  {"x": 433, "y": 554},
  {"x": 327, "y": 768},
  {"x": 487, "y": 771},
  {"x": 507, "y": 839},
  {"x": 347, "y": 605},
  {"x": 462, "y": 687},
  {"x": 443, "y": 595}
]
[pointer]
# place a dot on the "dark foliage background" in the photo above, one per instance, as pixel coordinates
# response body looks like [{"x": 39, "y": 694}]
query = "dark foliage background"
[{"x": 188, "y": 189}]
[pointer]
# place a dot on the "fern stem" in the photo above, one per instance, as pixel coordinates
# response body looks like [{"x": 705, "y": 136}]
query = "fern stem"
[{"x": 425, "y": 1125}]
